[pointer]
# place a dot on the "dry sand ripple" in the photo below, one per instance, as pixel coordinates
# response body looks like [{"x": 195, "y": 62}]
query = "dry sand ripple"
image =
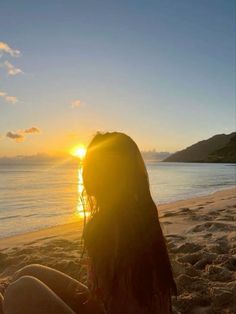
[{"x": 203, "y": 251}]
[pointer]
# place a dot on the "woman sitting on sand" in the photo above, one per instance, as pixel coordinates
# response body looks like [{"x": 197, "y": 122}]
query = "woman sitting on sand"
[{"x": 129, "y": 268}]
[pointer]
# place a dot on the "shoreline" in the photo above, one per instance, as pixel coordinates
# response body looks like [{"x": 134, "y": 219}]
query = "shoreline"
[
  {"x": 79, "y": 223},
  {"x": 200, "y": 234},
  {"x": 200, "y": 194}
]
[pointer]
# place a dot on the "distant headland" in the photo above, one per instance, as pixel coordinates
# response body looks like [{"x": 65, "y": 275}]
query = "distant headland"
[{"x": 219, "y": 148}]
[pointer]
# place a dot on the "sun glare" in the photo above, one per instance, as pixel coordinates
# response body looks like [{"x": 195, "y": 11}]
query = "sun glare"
[{"x": 78, "y": 151}]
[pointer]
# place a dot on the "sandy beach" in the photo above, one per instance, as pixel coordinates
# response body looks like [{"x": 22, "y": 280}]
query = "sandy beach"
[{"x": 201, "y": 238}]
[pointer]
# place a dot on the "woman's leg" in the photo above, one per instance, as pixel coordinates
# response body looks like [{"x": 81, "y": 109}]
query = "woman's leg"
[
  {"x": 1, "y": 303},
  {"x": 29, "y": 295},
  {"x": 71, "y": 291}
]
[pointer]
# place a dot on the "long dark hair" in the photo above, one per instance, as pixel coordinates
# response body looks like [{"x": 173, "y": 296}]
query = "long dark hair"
[{"x": 123, "y": 238}]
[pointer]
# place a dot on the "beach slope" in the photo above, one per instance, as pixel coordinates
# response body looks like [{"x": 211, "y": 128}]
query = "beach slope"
[{"x": 201, "y": 238}]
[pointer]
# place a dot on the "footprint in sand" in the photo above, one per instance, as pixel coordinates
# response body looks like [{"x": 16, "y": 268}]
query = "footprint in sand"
[
  {"x": 185, "y": 210},
  {"x": 175, "y": 237},
  {"x": 212, "y": 227},
  {"x": 218, "y": 273},
  {"x": 188, "y": 247},
  {"x": 230, "y": 264},
  {"x": 168, "y": 214}
]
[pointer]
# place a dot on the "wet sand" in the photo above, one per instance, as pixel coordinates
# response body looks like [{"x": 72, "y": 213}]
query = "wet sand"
[{"x": 201, "y": 238}]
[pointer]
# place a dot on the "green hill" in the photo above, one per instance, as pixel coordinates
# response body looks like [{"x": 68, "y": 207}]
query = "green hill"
[
  {"x": 225, "y": 154},
  {"x": 219, "y": 148}
]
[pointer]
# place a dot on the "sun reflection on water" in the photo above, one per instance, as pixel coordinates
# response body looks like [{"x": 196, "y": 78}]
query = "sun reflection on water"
[{"x": 82, "y": 210}]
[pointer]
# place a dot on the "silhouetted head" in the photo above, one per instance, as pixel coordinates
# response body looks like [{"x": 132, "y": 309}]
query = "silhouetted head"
[
  {"x": 123, "y": 237},
  {"x": 114, "y": 172}
]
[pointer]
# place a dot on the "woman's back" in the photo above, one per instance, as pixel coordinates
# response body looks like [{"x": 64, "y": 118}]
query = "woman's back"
[{"x": 131, "y": 271}]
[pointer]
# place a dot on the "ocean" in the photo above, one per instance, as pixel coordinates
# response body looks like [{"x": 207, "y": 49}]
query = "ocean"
[{"x": 37, "y": 196}]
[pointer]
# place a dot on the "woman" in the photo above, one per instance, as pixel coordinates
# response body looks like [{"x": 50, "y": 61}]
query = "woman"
[{"x": 129, "y": 268}]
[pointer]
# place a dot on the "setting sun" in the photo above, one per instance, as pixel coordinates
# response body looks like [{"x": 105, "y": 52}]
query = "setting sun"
[{"x": 78, "y": 151}]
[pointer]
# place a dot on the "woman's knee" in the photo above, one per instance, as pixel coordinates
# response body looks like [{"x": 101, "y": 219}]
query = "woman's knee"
[
  {"x": 22, "y": 284},
  {"x": 1, "y": 303},
  {"x": 29, "y": 270},
  {"x": 18, "y": 292},
  {"x": 22, "y": 295}
]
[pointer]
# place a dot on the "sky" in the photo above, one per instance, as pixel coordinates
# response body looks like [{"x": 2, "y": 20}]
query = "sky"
[{"x": 161, "y": 71}]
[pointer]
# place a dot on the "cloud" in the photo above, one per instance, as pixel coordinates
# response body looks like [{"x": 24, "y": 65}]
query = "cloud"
[
  {"x": 11, "y": 99},
  {"x": 16, "y": 136},
  {"x": 11, "y": 69},
  {"x": 5, "y": 48},
  {"x": 32, "y": 130},
  {"x": 76, "y": 103},
  {"x": 8, "y": 98},
  {"x": 19, "y": 136}
]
